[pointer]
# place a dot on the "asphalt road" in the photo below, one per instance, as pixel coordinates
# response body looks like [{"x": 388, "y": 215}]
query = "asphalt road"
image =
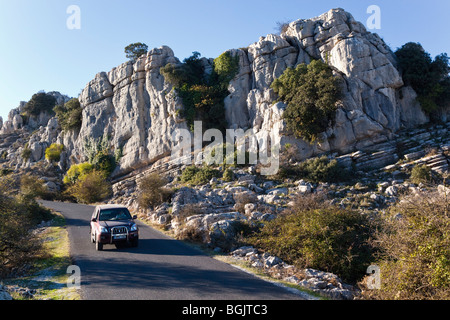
[{"x": 159, "y": 269}]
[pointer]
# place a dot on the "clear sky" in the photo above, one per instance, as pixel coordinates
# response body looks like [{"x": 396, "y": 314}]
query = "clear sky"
[{"x": 39, "y": 52}]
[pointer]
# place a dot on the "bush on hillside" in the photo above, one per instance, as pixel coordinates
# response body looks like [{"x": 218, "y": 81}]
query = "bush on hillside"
[
  {"x": 322, "y": 237},
  {"x": 69, "y": 115},
  {"x": 311, "y": 93},
  {"x": 18, "y": 215},
  {"x": 76, "y": 171},
  {"x": 152, "y": 191},
  {"x": 414, "y": 246},
  {"x": 32, "y": 187},
  {"x": 40, "y": 102},
  {"x": 321, "y": 169},
  {"x": 429, "y": 78},
  {"x": 421, "y": 174},
  {"x": 104, "y": 162},
  {"x": 26, "y": 153},
  {"x": 198, "y": 175},
  {"x": 203, "y": 95},
  {"x": 99, "y": 154},
  {"x": 90, "y": 188},
  {"x": 53, "y": 153}
]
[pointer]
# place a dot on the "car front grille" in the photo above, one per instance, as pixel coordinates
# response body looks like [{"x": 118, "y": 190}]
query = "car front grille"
[{"x": 119, "y": 230}]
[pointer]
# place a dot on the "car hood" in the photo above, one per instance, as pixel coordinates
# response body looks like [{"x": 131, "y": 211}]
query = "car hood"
[{"x": 111, "y": 224}]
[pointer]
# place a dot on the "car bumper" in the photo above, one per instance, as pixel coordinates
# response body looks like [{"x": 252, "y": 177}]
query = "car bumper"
[{"x": 106, "y": 238}]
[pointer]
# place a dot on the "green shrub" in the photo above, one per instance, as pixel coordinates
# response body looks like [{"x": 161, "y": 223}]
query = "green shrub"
[
  {"x": 77, "y": 171},
  {"x": 18, "y": 215},
  {"x": 26, "y": 153},
  {"x": 53, "y": 153},
  {"x": 196, "y": 176},
  {"x": 32, "y": 187},
  {"x": 429, "y": 78},
  {"x": 228, "y": 175},
  {"x": 188, "y": 173},
  {"x": 226, "y": 67},
  {"x": 329, "y": 239},
  {"x": 104, "y": 162},
  {"x": 421, "y": 174},
  {"x": 321, "y": 170},
  {"x": 99, "y": 154},
  {"x": 203, "y": 96},
  {"x": 91, "y": 188},
  {"x": 152, "y": 191},
  {"x": 205, "y": 103},
  {"x": 40, "y": 102},
  {"x": 69, "y": 115},
  {"x": 311, "y": 93},
  {"x": 414, "y": 247}
]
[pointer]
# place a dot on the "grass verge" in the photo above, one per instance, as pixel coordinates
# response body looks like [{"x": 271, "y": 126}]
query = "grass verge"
[{"x": 47, "y": 279}]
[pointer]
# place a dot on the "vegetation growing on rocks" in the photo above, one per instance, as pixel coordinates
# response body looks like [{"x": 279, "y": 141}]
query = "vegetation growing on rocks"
[
  {"x": 421, "y": 174},
  {"x": 328, "y": 238},
  {"x": 53, "y": 153},
  {"x": 429, "y": 78},
  {"x": 76, "y": 171},
  {"x": 152, "y": 191},
  {"x": 90, "y": 188},
  {"x": 99, "y": 154},
  {"x": 319, "y": 169},
  {"x": 414, "y": 250},
  {"x": 198, "y": 175},
  {"x": 202, "y": 94},
  {"x": 40, "y": 102},
  {"x": 69, "y": 115},
  {"x": 135, "y": 50},
  {"x": 310, "y": 92},
  {"x": 18, "y": 215}
]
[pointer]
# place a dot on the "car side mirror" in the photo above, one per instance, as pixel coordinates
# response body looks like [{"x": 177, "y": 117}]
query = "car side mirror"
[
  {"x": 94, "y": 220},
  {"x": 134, "y": 217}
]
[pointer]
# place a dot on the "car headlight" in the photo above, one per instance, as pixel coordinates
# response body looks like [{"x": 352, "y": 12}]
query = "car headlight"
[
  {"x": 134, "y": 227},
  {"x": 104, "y": 230}
]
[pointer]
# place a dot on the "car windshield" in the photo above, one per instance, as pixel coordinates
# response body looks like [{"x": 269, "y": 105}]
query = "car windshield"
[{"x": 115, "y": 214}]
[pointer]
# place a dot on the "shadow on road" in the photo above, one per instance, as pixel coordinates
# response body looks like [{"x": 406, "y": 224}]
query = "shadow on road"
[
  {"x": 157, "y": 247},
  {"x": 171, "y": 278}
]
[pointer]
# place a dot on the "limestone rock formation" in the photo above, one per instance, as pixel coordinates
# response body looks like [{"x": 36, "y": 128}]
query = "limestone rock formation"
[
  {"x": 137, "y": 111},
  {"x": 134, "y": 105}
]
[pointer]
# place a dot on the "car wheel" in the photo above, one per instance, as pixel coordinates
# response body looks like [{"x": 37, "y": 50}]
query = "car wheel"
[
  {"x": 98, "y": 246},
  {"x": 135, "y": 243}
]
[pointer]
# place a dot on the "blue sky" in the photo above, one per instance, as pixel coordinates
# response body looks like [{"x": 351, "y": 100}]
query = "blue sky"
[{"x": 38, "y": 51}]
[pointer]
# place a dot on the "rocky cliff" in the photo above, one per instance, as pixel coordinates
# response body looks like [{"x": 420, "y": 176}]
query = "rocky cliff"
[{"x": 135, "y": 108}]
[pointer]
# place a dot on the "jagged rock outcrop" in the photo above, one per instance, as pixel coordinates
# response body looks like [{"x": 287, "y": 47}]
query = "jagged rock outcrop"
[
  {"x": 375, "y": 102},
  {"x": 137, "y": 110},
  {"x": 16, "y": 122},
  {"x": 134, "y": 105},
  {"x": 34, "y": 132}
]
